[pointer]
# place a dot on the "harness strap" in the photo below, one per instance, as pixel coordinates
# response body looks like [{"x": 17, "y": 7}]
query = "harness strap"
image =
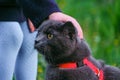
[
  {"x": 70, "y": 65},
  {"x": 73, "y": 65},
  {"x": 96, "y": 70}
]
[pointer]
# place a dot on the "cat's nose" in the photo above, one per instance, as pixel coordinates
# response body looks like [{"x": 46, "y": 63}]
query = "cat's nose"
[
  {"x": 36, "y": 44},
  {"x": 36, "y": 41}
]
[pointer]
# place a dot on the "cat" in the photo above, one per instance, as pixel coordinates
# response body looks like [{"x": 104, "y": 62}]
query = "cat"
[{"x": 68, "y": 56}]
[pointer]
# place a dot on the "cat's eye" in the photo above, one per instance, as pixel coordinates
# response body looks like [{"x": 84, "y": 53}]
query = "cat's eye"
[{"x": 49, "y": 36}]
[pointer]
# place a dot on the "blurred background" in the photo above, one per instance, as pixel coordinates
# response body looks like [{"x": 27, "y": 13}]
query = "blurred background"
[{"x": 100, "y": 22}]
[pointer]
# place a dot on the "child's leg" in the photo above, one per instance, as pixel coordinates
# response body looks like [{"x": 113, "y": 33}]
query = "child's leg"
[
  {"x": 26, "y": 64},
  {"x": 11, "y": 38}
]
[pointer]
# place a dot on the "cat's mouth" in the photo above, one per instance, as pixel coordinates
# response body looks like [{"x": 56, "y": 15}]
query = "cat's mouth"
[
  {"x": 36, "y": 46},
  {"x": 40, "y": 48}
]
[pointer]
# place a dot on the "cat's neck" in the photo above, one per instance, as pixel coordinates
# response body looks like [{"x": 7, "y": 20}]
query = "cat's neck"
[{"x": 81, "y": 51}]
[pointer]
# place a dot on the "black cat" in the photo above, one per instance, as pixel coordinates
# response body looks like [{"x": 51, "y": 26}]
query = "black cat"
[{"x": 68, "y": 56}]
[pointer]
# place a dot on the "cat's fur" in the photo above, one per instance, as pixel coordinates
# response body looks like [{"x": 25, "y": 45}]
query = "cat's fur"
[{"x": 65, "y": 46}]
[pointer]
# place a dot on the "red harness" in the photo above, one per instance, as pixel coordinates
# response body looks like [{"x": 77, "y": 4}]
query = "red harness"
[{"x": 73, "y": 65}]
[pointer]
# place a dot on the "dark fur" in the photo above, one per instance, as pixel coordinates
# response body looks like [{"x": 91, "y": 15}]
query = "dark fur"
[{"x": 65, "y": 46}]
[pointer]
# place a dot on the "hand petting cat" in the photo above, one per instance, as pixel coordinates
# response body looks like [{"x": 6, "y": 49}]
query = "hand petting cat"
[{"x": 64, "y": 18}]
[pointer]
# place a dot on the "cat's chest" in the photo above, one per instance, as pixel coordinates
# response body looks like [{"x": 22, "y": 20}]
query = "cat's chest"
[{"x": 80, "y": 73}]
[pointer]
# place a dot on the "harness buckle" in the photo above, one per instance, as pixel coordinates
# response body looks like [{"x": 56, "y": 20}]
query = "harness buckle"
[{"x": 97, "y": 72}]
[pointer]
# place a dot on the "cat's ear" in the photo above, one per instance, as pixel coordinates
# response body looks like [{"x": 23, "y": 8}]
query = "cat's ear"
[{"x": 69, "y": 29}]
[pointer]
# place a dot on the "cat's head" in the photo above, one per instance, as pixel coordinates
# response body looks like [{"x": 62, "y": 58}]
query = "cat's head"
[{"x": 56, "y": 40}]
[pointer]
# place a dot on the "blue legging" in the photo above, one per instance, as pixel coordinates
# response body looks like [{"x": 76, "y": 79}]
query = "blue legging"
[{"x": 17, "y": 54}]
